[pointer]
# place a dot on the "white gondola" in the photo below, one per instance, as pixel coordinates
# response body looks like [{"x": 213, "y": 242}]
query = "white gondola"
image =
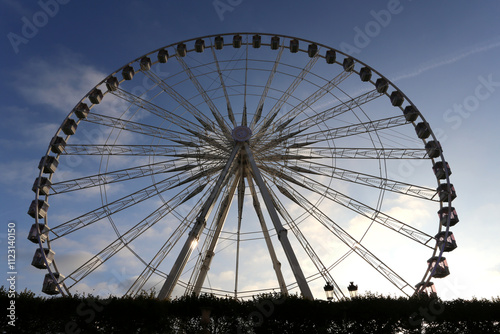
[
  {"x": 433, "y": 149},
  {"x": 145, "y": 63},
  {"x": 128, "y": 72},
  {"x": 294, "y": 46},
  {"x": 426, "y": 289},
  {"x": 219, "y": 42},
  {"x": 275, "y": 42},
  {"x": 381, "y": 85},
  {"x": 312, "y": 50},
  {"x": 181, "y": 50},
  {"x": 163, "y": 56},
  {"x": 440, "y": 169},
  {"x": 48, "y": 164},
  {"x": 82, "y": 110},
  {"x": 112, "y": 83},
  {"x": 50, "y": 286},
  {"x": 256, "y": 41},
  {"x": 444, "y": 191},
  {"x": 33, "y": 233},
  {"x": 410, "y": 113},
  {"x": 365, "y": 74},
  {"x": 237, "y": 41},
  {"x": 96, "y": 96},
  {"x": 44, "y": 187},
  {"x": 330, "y": 56},
  {"x": 440, "y": 268},
  {"x": 58, "y": 144},
  {"x": 397, "y": 98},
  {"x": 443, "y": 216},
  {"x": 348, "y": 64},
  {"x": 69, "y": 127},
  {"x": 38, "y": 259},
  {"x": 43, "y": 207},
  {"x": 446, "y": 243},
  {"x": 423, "y": 130},
  {"x": 199, "y": 45}
]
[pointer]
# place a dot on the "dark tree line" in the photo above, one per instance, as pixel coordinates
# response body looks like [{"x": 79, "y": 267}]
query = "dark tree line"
[{"x": 271, "y": 313}]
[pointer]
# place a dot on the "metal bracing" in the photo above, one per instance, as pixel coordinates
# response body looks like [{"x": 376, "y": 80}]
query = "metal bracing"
[
  {"x": 205, "y": 121},
  {"x": 173, "y": 118},
  {"x": 194, "y": 234},
  {"x": 267, "y": 238},
  {"x": 282, "y": 232},
  {"x": 125, "y": 202},
  {"x": 379, "y": 182},
  {"x": 223, "y": 126},
  {"x": 270, "y": 78},
  {"x": 125, "y": 239},
  {"x": 260, "y": 130},
  {"x": 360, "y": 208},
  {"x": 351, "y": 242},
  {"x": 219, "y": 224},
  {"x": 306, "y": 245}
]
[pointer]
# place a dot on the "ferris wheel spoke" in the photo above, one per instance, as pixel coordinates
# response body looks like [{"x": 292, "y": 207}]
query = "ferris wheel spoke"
[
  {"x": 282, "y": 236},
  {"x": 141, "y": 150},
  {"x": 374, "y": 181},
  {"x": 358, "y": 207},
  {"x": 198, "y": 227},
  {"x": 200, "y": 273},
  {"x": 121, "y": 175},
  {"x": 309, "y": 101},
  {"x": 230, "y": 113},
  {"x": 263, "y": 97},
  {"x": 351, "y": 153},
  {"x": 353, "y": 244},
  {"x": 153, "y": 108},
  {"x": 160, "y": 256},
  {"x": 266, "y": 122},
  {"x": 241, "y": 201},
  {"x": 351, "y": 130},
  {"x": 267, "y": 238},
  {"x": 130, "y": 200},
  {"x": 309, "y": 250},
  {"x": 124, "y": 240},
  {"x": 188, "y": 106},
  {"x": 218, "y": 117},
  {"x": 327, "y": 114},
  {"x": 136, "y": 127}
]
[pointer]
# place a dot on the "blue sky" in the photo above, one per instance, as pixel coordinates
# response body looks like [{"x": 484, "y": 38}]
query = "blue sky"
[{"x": 443, "y": 56}]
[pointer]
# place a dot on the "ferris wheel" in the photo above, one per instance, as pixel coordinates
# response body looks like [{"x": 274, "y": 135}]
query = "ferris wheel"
[{"x": 239, "y": 164}]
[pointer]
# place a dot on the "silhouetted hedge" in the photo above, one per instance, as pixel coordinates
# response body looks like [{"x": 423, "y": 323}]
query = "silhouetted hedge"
[{"x": 271, "y": 313}]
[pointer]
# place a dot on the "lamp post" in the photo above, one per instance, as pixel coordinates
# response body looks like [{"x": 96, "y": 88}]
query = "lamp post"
[
  {"x": 329, "y": 291},
  {"x": 353, "y": 290}
]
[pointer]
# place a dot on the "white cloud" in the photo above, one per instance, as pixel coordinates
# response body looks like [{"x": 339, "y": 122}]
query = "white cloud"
[{"x": 57, "y": 82}]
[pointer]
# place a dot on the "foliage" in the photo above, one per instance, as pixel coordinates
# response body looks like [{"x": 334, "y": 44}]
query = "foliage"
[{"x": 267, "y": 313}]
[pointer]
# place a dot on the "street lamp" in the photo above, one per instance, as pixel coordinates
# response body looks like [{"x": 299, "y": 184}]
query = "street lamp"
[
  {"x": 329, "y": 291},
  {"x": 353, "y": 290}
]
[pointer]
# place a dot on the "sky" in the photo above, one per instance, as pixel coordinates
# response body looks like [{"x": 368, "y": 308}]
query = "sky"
[{"x": 443, "y": 56}]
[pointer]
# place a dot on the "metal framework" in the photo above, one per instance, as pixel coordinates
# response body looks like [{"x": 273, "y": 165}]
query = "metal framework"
[{"x": 309, "y": 143}]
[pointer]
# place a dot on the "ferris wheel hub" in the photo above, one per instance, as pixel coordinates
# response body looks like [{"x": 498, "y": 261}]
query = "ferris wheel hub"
[{"x": 241, "y": 133}]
